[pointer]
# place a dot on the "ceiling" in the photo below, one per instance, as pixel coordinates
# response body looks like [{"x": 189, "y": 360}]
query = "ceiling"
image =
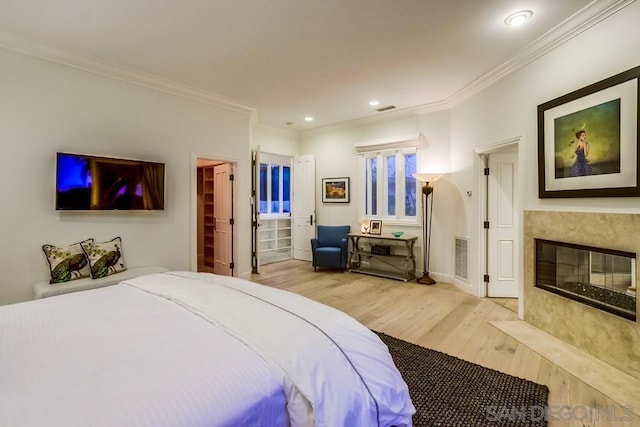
[{"x": 294, "y": 58}]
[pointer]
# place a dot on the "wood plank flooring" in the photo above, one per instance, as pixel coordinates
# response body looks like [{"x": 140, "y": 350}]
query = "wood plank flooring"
[{"x": 446, "y": 319}]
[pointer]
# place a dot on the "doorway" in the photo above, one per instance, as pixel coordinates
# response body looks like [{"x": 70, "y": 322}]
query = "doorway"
[
  {"x": 501, "y": 234},
  {"x": 272, "y": 231},
  {"x": 283, "y": 208},
  {"x": 214, "y": 216}
]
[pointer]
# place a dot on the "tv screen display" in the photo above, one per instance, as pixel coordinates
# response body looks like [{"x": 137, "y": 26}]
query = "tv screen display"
[{"x": 102, "y": 183}]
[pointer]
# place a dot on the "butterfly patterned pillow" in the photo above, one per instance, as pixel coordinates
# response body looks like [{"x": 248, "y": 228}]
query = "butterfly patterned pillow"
[
  {"x": 67, "y": 262},
  {"x": 105, "y": 258}
]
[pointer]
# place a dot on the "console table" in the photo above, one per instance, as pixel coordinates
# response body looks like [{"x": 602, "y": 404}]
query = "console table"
[{"x": 399, "y": 264}]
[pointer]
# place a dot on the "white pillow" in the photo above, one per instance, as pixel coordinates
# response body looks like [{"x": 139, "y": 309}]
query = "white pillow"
[
  {"x": 105, "y": 258},
  {"x": 67, "y": 262}
]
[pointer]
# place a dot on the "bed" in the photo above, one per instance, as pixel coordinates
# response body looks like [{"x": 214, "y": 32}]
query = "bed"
[{"x": 193, "y": 349}]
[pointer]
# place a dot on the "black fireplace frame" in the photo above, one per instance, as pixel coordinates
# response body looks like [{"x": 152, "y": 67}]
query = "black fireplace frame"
[{"x": 578, "y": 298}]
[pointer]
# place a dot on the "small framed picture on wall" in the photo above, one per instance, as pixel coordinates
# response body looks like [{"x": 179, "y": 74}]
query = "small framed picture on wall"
[{"x": 335, "y": 190}]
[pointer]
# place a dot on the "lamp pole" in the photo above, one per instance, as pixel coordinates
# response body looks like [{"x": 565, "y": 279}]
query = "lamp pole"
[{"x": 426, "y": 242}]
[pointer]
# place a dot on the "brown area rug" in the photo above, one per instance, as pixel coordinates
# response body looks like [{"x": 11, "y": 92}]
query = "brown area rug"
[{"x": 448, "y": 391}]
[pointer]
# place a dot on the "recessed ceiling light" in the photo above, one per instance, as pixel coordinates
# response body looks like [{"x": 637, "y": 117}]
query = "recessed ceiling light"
[
  {"x": 308, "y": 119},
  {"x": 518, "y": 18},
  {"x": 374, "y": 103}
]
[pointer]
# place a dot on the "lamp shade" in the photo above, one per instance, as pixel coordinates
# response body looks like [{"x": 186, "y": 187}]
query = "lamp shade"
[{"x": 427, "y": 176}]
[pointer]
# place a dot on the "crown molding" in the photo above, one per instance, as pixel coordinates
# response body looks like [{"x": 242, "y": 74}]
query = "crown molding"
[
  {"x": 47, "y": 53},
  {"x": 590, "y": 15},
  {"x": 582, "y": 20},
  {"x": 387, "y": 116},
  {"x": 587, "y": 17}
]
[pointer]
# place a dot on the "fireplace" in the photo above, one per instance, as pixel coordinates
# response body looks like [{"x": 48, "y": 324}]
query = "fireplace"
[
  {"x": 574, "y": 315},
  {"x": 598, "y": 277}
]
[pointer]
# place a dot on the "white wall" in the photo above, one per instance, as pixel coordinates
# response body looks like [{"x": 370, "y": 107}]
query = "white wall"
[
  {"x": 46, "y": 107},
  {"x": 508, "y": 109},
  {"x": 335, "y": 154},
  {"x": 505, "y": 110},
  {"x": 275, "y": 141}
]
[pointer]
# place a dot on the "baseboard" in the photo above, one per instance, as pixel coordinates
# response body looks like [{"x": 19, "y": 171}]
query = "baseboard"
[{"x": 449, "y": 278}]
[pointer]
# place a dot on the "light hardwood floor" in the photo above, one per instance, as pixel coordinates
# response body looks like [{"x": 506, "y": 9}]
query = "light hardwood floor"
[{"x": 443, "y": 318}]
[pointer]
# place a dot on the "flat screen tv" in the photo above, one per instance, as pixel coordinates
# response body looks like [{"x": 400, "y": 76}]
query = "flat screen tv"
[{"x": 103, "y": 183}]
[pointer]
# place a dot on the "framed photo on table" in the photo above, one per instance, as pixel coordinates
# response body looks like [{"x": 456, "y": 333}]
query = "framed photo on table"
[
  {"x": 375, "y": 227},
  {"x": 335, "y": 190},
  {"x": 588, "y": 140}
]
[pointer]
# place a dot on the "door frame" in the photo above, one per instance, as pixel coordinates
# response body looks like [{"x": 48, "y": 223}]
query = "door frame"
[
  {"x": 259, "y": 157},
  {"x": 194, "y": 208},
  {"x": 481, "y": 157}
]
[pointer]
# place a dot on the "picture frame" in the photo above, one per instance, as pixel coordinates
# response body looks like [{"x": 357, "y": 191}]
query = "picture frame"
[
  {"x": 375, "y": 227},
  {"x": 335, "y": 190},
  {"x": 588, "y": 140}
]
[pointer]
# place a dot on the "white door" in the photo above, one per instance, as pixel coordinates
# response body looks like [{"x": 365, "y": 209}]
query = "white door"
[
  {"x": 304, "y": 206},
  {"x": 503, "y": 226},
  {"x": 223, "y": 213}
]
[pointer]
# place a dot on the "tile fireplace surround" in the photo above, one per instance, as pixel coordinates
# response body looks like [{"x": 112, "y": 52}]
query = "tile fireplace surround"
[{"x": 614, "y": 340}]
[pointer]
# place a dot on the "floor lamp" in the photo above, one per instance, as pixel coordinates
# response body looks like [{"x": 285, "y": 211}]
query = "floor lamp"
[{"x": 427, "y": 189}]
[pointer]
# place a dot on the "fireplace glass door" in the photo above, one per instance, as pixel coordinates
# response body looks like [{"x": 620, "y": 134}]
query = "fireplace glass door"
[{"x": 602, "y": 278}]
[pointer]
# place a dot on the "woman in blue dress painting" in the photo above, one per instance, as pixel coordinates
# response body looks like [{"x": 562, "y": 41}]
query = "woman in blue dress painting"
[{"x": 582, "y": 167}]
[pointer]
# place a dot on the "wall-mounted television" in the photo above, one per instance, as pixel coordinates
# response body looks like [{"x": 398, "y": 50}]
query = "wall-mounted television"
[{"x": 86, "y": 182}]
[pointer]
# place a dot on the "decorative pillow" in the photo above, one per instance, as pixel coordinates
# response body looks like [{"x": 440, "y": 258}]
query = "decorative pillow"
[
  {"x": 105, "y": 258},
  {"x": 67, "y": 262}
]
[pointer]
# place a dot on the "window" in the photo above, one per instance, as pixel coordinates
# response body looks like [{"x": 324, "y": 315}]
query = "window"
[
  {"x": 275, "y": 188},
  {"x": 390, "y": 161},
  {"x": 390, "y": 188},
  {"x": 275, "y": 185},
  {"x": 372, "y": 186},
  {"x": 286, "y": 189}
]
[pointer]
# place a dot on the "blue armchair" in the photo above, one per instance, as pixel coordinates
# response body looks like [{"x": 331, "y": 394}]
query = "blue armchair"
[{"x": 331, "y": 247}]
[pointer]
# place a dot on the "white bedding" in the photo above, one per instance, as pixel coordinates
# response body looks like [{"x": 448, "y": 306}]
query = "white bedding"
[{"x": 189, "y": 349}]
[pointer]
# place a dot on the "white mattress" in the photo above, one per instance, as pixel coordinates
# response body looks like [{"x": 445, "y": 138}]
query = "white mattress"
[{"x": 175, "y": 349}]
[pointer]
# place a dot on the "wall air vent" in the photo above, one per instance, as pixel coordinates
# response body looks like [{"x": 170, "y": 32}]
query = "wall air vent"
[
  {"x": 462, "y": 258},
  {"x": 387, "y": 108}
]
